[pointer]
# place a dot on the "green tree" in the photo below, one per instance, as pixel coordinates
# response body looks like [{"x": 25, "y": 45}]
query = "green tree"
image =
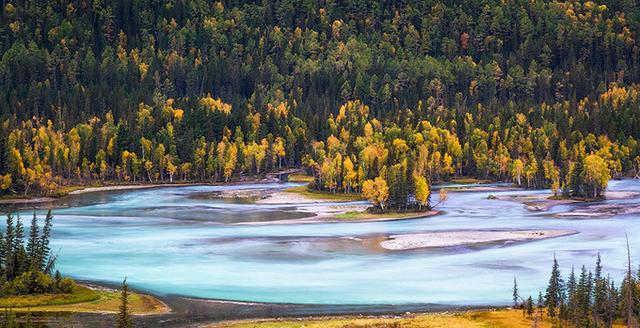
[
  {"x": 124, "y": 316},
  {"x": 555, "y": 290}
]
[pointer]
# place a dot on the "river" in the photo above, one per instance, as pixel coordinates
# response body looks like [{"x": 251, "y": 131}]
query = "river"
[{"x": 173, "y": 241}]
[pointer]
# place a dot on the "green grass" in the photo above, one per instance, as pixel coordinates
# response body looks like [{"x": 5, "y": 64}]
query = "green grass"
[
  {"x": 83, "y": 299},
  {"x": 467, "y": 180},
  {"x": 300, "y": 178},
  {"x": 79, "y": 294},
  {"x": 356, "y": 215},
  {"x": 319, "y": 195}
]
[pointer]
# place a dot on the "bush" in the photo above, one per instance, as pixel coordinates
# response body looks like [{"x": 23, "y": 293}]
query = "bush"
[
  {"x": 30, "y": 282},
  {"x": 66, "y": 285}
]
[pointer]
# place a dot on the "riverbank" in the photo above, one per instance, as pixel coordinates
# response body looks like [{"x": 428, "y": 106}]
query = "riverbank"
[
  {"x": 503, "y": 317},
  {"x": 94, "y": 186},
  {"x": 86, "y": 298}
]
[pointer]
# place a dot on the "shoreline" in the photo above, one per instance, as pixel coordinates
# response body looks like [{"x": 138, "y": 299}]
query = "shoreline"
[
  {"x": 142, "y": 303},
  {"x": 217, "y": 311},
  {"x": 495, "y": 316},
  {"x": 123, "y": 187}
]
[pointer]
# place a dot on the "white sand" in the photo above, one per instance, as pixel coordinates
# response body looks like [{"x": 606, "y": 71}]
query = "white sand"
[{"x": 460, "y": 238}]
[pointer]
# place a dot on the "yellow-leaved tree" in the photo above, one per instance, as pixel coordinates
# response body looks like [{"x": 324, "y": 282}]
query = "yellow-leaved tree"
[
  {"x": 422, "y": 191},
  {"x": 517, "y": 170},
  {"x": 596, "y": 175},
  {"x": 376, "y": 191}
]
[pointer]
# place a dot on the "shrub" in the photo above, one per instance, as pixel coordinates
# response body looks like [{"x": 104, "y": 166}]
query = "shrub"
[
  {"x": 30, "y": 282},
  {"x": 66, "y": 285}
]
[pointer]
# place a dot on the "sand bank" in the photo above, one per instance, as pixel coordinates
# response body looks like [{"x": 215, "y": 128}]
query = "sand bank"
[{"x": 463, "y": 238}]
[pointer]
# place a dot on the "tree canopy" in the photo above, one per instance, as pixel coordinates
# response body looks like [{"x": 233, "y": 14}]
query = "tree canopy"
[{"x": 513, "y": 90}]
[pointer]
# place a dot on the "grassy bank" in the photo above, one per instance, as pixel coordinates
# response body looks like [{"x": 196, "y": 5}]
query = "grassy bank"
[
  {"x": 326, "y": 196},
  {"x": 465, "y": 180},
  {"x": 83, "y": 299},
  {"x": 80, "y": 294},
  {"x": 473, "y": 319},
  {"x": 356, "y": 215},
  {"x": 300, "y": 178}
]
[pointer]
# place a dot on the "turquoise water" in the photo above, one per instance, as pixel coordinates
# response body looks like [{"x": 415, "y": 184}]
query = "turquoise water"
[{"x": 171, "y": 241}]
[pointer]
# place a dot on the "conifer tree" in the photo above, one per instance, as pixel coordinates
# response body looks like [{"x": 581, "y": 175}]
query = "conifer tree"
[
  {"x": 18, "y": 249},
  {"x": 629, "y": 292},
  {"x": 599, "y": 293},
  {"x": 540, "y": 305},
  {"x": 529, "y": 306},
  {"x": 124, "y": 317},
  {"x": 2, "y": 255},
  {"x": 33, "y": 244},
  {"x": 555, "y": 290},
  {"x": 582, "y": 295},
  {"x": 9, "y": 241},
  {"x": 515, "y": 293},
  {"x": 611, "y": 303},
  {"x": 572, "y": 307},
  {"x": 44, "y": 250},
  {"x": 576, "y": 181}
]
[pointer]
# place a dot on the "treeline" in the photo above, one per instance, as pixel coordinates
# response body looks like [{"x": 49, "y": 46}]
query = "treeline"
[
  {"x": 29, "y": 270},
  {"x": 405, "y": 92},
  {"x": 586, "y": 299}
]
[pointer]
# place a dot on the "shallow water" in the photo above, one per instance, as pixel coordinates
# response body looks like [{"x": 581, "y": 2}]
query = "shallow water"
[{"x": 170, "y": 241}]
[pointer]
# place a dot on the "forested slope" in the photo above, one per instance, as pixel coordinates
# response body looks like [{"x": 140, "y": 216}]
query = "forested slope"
[{"x": 402, "y": 90}]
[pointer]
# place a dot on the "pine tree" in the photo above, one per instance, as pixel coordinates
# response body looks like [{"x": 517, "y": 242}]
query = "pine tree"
[
  {"x": 515, "y": 293},
  {"x": 572, "y": 297},
  {"x": 20, "y": 256},
  {"x": 599, "y": 293},
  {"x": 9, "y": 240},
  {"x": 611, "y": 303},
  {"x": 529, "y": 306},
  {"x": 124, "y": 317},
  {"x": 555, "y": 291},
  {"x": 576, "y": 181},
  {"x": 2, "y": 255},
  {"x": 540, "y": 305},
  {"x": 33, "y": 244},
  {"x": 583, "y": 303},
  {"x": 43, "y": 249},
  {"x": 629, "y": 292}
]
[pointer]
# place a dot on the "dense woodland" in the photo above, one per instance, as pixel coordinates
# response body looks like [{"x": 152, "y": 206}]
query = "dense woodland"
[{"x": 375, "y": 97}]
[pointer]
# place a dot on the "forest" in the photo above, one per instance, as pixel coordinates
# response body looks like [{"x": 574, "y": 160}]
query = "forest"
[
  {"x": 381, "y": 98},
  {"x": 586, "y": 299}
]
